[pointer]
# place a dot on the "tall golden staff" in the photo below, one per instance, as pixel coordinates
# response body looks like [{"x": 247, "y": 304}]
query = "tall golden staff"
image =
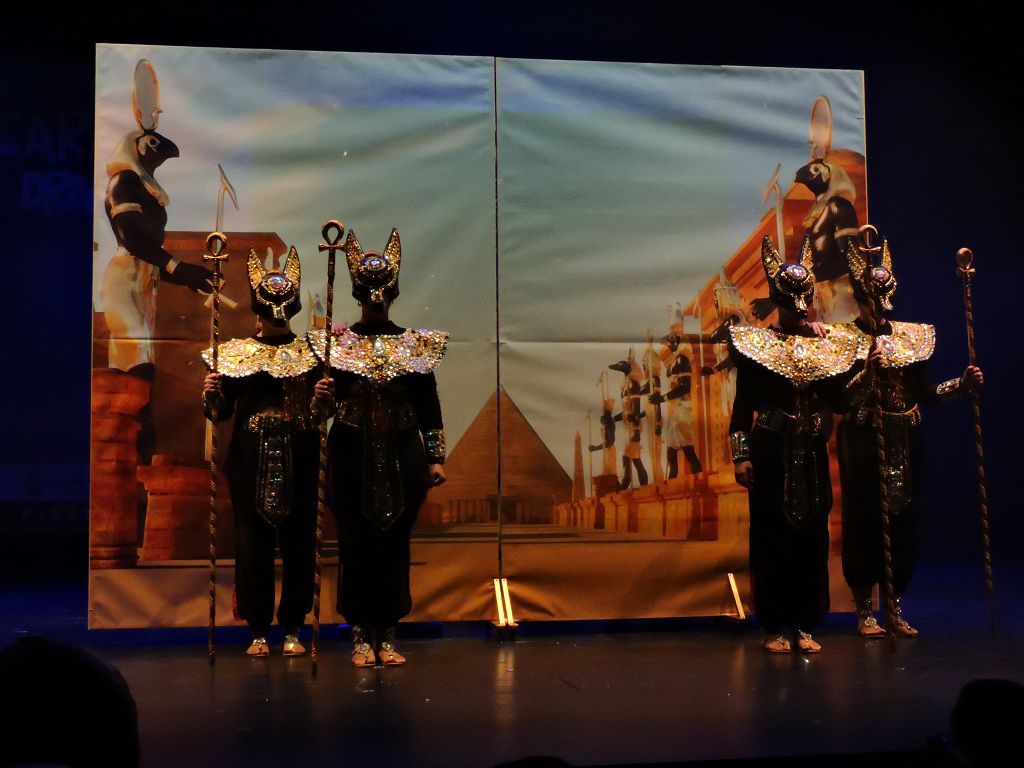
[
  {"x": 965, "y": 260},
  {"x": 216, "y": 244},
  {"x": 868, "y": 242},
  {"x": 332, "y": 232}
]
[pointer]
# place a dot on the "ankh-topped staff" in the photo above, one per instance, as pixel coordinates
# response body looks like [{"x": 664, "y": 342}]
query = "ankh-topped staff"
[
  {"x": 216, "y": 245},
  {"x": 332, "y": 231},
  {"x": 965, "y": 262},
  {"x": 870, "y": 245}
]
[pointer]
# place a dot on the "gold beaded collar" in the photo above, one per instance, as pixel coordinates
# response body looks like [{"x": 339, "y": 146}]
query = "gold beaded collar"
[
  {"x": 801, "y": 359},
  {"x": 907, "y": 343},
  {"x": 382, "y": 358},
  {"x": 244, "y": 357}
]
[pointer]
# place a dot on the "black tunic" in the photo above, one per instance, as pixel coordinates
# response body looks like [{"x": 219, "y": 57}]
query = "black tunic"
[
  {"x": 379, "y": 480},
  {"x": 863, "y": 564},
  {"x": 788, "y": 526}
]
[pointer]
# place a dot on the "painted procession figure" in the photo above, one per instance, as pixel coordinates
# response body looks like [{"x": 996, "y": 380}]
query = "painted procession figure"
[
  {"x": 831, "y": 222},
  {"x": 266, "y": 383},
  {"x": 890, "y": 379},
  {"x": 632, "y": 412},
  {"x": 787, "y": 375},
  {"x": 609, "y": 465},
  {"x": 386, "y": 445},
  {"x": 681, "y": 433},
  {"x": 136, "y": 207}
]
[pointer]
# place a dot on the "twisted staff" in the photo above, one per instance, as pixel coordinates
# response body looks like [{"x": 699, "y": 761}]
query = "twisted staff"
[
  {"x": 332, "y": 232},
  {"x": 965, "y": 261},
  {"x": 216, "y": 245},
  {"x": 867, "y": 240}
]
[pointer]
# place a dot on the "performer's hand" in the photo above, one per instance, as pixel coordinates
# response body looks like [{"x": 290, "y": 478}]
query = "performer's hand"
[
  {"x": 744, "y": 473},
  {"x": 338, "y": 328},
  {"x": 213, "y": 385},
  {"x": 874, "y": 360},
  {"x": 323, "y": 399},
  {"x": 972, "y": 379},
  {"x": 818, "y": 329},
  {"x": 437, "y": 476},
  {"x": 191, "y": 276},
  {"x": 656, "y": 399},
  {"x": 323, "y": 391}
]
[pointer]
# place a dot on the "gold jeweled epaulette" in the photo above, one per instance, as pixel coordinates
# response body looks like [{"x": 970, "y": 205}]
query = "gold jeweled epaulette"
[
  {"x": 801, "y": 359},
  {"x": 381, "y": 358},
  {"x": 908, "y": 343},
  {"x": 244, "y": 357}
]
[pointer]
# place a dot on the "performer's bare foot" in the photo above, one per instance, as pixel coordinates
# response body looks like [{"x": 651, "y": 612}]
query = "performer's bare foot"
[
  {"x": 390, "y": 657},
  {"x": 868, "y": 626},
  {"x": 901, "y": 627},
  {"x": 776, "y": 644},
  {"x": 363, "y": 656},
  {"x": 292, "y": 646},
  {"x": 806, "y": 643},
  {"x": 257, "y": 648},
  {"x": 362, "y": 651}
]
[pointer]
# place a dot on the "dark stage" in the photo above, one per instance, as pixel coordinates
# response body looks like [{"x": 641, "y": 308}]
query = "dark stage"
[{"x": 591, "y": 693}]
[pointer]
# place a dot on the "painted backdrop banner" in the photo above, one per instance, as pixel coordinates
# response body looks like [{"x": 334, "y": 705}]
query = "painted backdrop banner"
[
  {"x": 588, "y": 230},
  {"x": 633, "y": 202}
]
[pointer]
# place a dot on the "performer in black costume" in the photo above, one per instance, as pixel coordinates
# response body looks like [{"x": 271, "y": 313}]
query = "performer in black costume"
[
  {"x": 266, "y": 381},
  {"x": 786, "y": 375},
  {"x": 899, "y": 361},
  {"x": 386, "y": 448}
]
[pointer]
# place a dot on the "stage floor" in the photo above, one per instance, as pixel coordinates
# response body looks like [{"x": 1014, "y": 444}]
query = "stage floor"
[{"x": 594, "y": 693}]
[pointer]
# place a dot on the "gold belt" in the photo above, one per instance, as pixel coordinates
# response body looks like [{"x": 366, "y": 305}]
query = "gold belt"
[{"x": 778, "y": 420}]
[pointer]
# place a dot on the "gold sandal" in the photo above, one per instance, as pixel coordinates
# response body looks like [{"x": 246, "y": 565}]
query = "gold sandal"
[
  {"x": 257, "y": 648},
  {"x": 806, "y": 643},
  {"x": 292, "y": 646},
  {"x": 776, "y": 644},
  {"x": 362, "y": 651},
  {"x": 389, "y": 657}
]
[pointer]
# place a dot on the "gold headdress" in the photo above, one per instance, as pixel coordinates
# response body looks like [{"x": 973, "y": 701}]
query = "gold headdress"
[
  {"x": 871, "y": 268},
  {"x": 275, "y": 293},
  {"x": 790, "y": 285},
  {"x": 374, "y": 275}
]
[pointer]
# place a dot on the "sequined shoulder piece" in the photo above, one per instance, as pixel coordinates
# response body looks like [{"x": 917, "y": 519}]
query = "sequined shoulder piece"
[
  {"x": 382, "y": 358},
  {"x": 244, "y": 357},
  {"x": 908, "y": 343},
  {"x": 800, "y": 359}
]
